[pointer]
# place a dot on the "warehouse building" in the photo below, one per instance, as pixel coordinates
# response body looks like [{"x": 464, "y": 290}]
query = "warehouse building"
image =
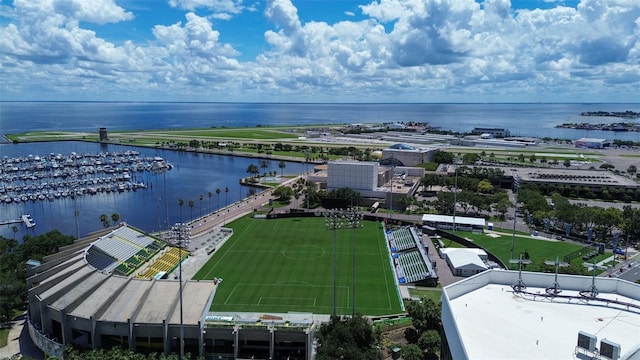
[{"x": 591, "y": 143}]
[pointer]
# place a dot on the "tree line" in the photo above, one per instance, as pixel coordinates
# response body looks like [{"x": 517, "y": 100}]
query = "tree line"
[{"x": 13, "y": 275}]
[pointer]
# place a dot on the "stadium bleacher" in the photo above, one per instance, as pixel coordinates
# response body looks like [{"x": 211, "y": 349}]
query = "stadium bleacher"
[
  {"x": 127, "y": 249},
  {"x": 100, "y": 260},
  {"x": 166, "y": 262},
  {"x": 414, "y": 267},
  {"x": 411, "y": 262}
]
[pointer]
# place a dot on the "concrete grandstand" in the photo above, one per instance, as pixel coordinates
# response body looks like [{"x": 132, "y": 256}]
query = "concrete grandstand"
[{"x": 104, "y": 291}]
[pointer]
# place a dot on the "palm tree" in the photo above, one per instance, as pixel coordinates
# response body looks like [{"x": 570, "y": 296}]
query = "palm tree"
[
  {"x": 282, "y": 165},
  {"x": 180, "y": 203},
  {"x": 115, "y": 217},
  {"x": 264, "y": 164},
  {"x": 105, "y": 220},
  {"x": 226, "y": 196},
  {"x": 253, "y": 170},
  {"x": 201, "y": 197},
  {"x": 15, "y": 230},
  {"x": 191, "y": 203},
  {"x": 209, "y": 194},
  {"x": 218, "y": 191}
]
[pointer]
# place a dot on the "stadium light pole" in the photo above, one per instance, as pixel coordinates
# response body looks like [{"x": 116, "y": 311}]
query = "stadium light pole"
[
  {"x": 354, "y": 217},
  {"x": 516, "y": 185},
  {"x": 180, "y": 233},
  {"x": 455, "y": 197},
  {"x": 334, "y": 221}
]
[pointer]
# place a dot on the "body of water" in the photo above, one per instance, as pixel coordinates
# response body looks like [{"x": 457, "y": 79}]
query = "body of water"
[
  {"x": 537, "y": 120},
  {"x": 192, "y": 175},
  {"x": 198, "y": 174}
]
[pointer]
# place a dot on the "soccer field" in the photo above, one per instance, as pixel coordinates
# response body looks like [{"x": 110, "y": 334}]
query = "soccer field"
[{"x": 286, "y": 265}]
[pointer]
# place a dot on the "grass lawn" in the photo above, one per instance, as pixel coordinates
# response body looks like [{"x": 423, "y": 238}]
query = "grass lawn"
[
  {"x": 539, "y": 250},
  {"x": 431, "y": 293},
  {"x": 287, "y": 265},
  {"x": 4, "y": 337}
]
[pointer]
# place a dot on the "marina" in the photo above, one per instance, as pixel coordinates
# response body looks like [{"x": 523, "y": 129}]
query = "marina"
[
  {"x": 192, "y": 177},
  {"x": 47, "y": 178}
]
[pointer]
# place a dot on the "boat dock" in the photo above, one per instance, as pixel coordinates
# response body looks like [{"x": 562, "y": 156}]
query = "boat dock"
[{"x": 26, "y": 219}]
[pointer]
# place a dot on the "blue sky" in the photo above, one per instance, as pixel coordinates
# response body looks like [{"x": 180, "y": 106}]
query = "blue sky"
[{"x": 320, "y": 50}]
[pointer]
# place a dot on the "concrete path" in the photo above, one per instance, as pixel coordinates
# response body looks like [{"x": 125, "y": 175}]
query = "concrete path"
[{"x": 19, "y": 343}]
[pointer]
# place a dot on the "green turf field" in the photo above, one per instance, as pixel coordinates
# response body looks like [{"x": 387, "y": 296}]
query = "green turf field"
[
  {"x": 539, "y": 250},
  {"x": 287, "y": 265}
]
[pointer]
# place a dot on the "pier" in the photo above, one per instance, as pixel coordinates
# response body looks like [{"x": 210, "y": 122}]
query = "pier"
[{"x": 26, "y": 219}]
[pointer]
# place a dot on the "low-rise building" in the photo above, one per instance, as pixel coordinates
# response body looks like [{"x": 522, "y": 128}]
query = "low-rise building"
[{"x": 498, "y": 315}]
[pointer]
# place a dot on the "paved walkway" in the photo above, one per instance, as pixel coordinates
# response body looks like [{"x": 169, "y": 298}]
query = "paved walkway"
[{"x": 19, "y": 343}]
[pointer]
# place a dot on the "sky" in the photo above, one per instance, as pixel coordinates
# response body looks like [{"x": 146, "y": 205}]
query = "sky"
[{"x": 361, "y": 51}]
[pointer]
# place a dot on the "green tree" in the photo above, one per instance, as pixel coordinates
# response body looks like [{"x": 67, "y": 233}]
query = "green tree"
[
  {"x": 264, "y": 164},
  {"x": 115, "y": 217},
  {"x": 282, "y": 165},
  {"x": 180, "y": 203},
  {"x": 201, "y": 197},
  {"x": 209, "y": 194},
  {"x": 412, "y": 352},
  {"x": 191, "y": 204},
  {"x": 470, "y": 158},
  {"x": 485, "y": 186},
  {"x": 218, "y": 191},
  {"x": 13, "y": 255},
  {"x": 425, "y": 314},
  {"x": 429, "y": 342},
  {"x": 443, "y": 157},
  {"x": 253, "y": 170},
  {"x": 632, "y": 169},
  {"x": 105, "y": 220},
  {"x": 283, "y": 193},
  {"x": 350, "y": 339}
]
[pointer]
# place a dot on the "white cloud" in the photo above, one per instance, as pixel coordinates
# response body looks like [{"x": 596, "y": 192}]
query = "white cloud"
[{"x": 409, "y": 50}]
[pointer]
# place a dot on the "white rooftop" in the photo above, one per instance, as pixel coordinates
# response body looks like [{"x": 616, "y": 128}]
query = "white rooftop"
[
  {"x": 494, "y": 322},
  {"x": 463, "y": 220},
  {"x": 465, "y": 257}
]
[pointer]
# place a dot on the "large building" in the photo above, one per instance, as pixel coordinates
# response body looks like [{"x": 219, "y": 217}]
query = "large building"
[
  {"x": 494, "y": 132},
  {"x": 484, "y": 317},
  {"x": 382, "y": 184},
  {"x": 99, "y": 293},
  {"x": 591, "y": 143},
  {"x": 406, "y": 155}
]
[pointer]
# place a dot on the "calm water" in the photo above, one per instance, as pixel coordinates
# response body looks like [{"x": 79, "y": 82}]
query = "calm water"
[
  {"x": 193, "y": 175},
  {"x": 196, "y": 174},
  {"x": 522, "y": 119}
]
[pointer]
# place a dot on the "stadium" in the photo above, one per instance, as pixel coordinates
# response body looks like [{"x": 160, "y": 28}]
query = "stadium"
[{"x": 261, "y": 293}]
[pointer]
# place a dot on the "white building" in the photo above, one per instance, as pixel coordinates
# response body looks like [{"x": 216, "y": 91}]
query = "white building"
[
  {"x": 384, "y": 184},
  {"x": 357, "y": 175},
  {"x": 448, "y": 221},
  {"x": 406, "y": 155},
  {"x": 465, "y": 262},
  {"x": 484, "y": 318}
]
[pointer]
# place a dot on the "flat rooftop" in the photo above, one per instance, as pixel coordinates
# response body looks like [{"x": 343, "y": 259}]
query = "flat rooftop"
[
  {"x": 494, "y": 322},
  {"x": 570, "y": 176}
]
